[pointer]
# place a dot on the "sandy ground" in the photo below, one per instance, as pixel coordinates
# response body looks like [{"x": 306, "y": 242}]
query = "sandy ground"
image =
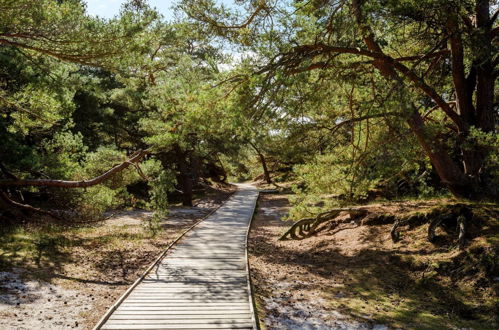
[
  {"x": 355, "y": 277},
  {"x": 85, "y": 280},
  {"x": 289, "y": 294}
]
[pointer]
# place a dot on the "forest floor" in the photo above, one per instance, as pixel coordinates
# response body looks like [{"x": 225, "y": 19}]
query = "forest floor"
[
  {"x": 355, "y": 277},
  {"x": 54, "y": 277}
]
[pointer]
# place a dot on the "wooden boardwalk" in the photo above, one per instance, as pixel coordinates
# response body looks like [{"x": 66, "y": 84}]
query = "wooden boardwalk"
[{"x": 203, "y": 281}]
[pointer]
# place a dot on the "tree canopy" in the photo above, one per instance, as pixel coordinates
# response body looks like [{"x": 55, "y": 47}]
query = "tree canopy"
[{"x": 351, "y": 99}]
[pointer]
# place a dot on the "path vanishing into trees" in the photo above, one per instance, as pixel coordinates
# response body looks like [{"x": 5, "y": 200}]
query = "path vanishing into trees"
[{"x": 202, "y": 283}]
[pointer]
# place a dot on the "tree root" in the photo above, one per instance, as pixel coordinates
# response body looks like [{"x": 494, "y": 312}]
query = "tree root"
[
  {"x": 462, "y": 223},
  {"x": 308, "y": 227},
  {"x": 432, "y": 228},
  {"x": 453, "y": 217},
  {"x": 449, "y": 217}
]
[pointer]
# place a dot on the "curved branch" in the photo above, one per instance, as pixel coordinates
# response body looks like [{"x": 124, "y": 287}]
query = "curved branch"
[
  {"x": 294, "y": 58},
  {"x": 74, "y": 58},
  {"x": 243, "y": 25},
  {"x": 357, "y": 119},
  {"x": 134, "y": 158},
  {"x": 27, "y": 207}
]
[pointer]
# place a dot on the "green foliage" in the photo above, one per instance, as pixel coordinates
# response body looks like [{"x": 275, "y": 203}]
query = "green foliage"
[
  {"x": 212, "y": 90},
  {"x": 160, "y": 187},
  {"x": 479, "y": 140},
  {"x": 63, "y": 155}
]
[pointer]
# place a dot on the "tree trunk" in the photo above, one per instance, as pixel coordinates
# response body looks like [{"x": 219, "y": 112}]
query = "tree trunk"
[
  {"x": 481, "y": 79},
  {"x": 185, "y": 183},
  {"x": 196, "y": 168},
  {"x": 266, "y": 173},
  {"x": 484, "y": 68},
  {"x": 449, "y": 172},
  {"x": 185, "y": 177}
]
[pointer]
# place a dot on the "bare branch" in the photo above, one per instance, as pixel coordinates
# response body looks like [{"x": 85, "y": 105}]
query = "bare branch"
[
  {"x": 336, "y": 127},
  {"x": 136, "y": 157},
  {"x": 8, "y": 201},
  {"x": 219, "y": 25}
]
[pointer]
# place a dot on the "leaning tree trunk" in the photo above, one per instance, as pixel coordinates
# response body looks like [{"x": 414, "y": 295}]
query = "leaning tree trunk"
[
  {"x": 459, "y": 182},
  {"x": 266, "y": 173},
  {"x": 263, "y": 161},
  {"x": 449, "y": 172},
  {"x": 13, "y": 182}
]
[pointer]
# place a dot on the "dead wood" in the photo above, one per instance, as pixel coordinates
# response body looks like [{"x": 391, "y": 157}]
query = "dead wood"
[
  {"x": 133, "y": 160},
  {"x": 27, "y": 207}
]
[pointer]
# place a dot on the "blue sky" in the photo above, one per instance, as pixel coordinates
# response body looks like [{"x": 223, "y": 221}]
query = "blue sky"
[{"x": 110, "y": 8}]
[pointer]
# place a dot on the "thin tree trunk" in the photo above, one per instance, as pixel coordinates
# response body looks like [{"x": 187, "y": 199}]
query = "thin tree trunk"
[
  {"x": 266, "y": 173},
  {"x": 196, "y": 168},
  {"x": 263, "y": 161}
]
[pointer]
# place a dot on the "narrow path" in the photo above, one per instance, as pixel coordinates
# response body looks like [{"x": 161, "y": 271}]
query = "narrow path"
[{"x": 203, "y": 281}]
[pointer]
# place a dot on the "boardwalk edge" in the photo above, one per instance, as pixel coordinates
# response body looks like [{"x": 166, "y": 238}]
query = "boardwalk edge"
[{"x": 254, "y": 315}]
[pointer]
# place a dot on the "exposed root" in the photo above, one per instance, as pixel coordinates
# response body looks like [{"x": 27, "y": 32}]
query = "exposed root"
[
  {"x": 462, "y": 223},
  {"x": 452, "y": 218},
  {"x": 308, "y": 227},
  {"x": 433, "y": 227}
]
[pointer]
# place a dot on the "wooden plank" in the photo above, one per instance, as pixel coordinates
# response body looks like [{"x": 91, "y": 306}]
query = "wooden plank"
[
  {"x": 228, "y": 309},
  {"x": 181, "y": 317},
  {"x": 189, "y": 294},
  {"x": 192, "y": 290},
  {"x": 189, "y": 304},
  {"x": 177, "y": 326},
  {"x": 179, "y": 322},
  {"x": 179, "y": 304},
  {"x": 200, "y": 298},
  {"x": 192, "y": 280},
  {"x": 193, "y": 285},
  {"x": 181, "y": 311},
  {"x": 191, "y": 271}
]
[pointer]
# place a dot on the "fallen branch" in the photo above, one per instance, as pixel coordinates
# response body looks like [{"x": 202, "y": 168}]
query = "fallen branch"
[
  {"x": 27, "y": 207},
  {"x": 134, "y": 158}
]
